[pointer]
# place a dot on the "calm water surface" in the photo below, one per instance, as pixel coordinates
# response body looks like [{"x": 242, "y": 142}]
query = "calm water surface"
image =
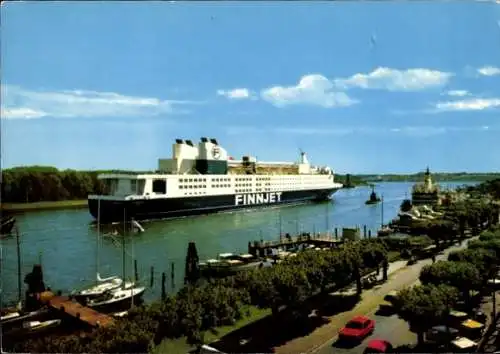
[{"x": 65, "y": 241}]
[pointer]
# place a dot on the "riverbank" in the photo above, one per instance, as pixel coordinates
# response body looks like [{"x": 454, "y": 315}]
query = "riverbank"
[{"x": 56, "y": 205}]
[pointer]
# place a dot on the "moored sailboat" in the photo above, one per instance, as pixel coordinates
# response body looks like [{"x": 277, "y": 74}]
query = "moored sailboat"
[
  {"x": 120, "y": 298},
  {"x": 102, "y": 285},
  {"x": 117, "y": 300}
]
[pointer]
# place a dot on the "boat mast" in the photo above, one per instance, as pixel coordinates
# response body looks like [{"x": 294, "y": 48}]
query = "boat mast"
[
  {"x": 123, "y": 247},
  {"x": 98, "y": 239},
  {"x": 18, "y": 247},
  {"x": 281, "y": 224},
  {"x": 382, "y": 212},
  {"x": 133, "y": 265},
  {"x": 327, "y": 219}
]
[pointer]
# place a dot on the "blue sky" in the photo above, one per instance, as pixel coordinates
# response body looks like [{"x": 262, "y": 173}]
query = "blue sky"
[{"x": 363, "y": 87}]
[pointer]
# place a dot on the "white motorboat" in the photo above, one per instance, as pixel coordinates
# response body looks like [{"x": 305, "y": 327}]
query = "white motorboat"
[
  {"x": 228, "y": 263},
  {"x": 38, "y": 326},
  {"x": 120, "y": 314},
  {"x": 33, "y": 327},
  {"x": 10, "y": 316}
]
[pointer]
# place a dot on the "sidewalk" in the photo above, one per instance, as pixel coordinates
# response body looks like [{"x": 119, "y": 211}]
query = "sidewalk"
[{"x": 400, "y": 276}]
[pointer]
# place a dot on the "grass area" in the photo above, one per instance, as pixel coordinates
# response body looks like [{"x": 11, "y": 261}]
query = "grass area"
[
  {"x": 62, "y": 204},
  {"x": 180, "y": 345}
]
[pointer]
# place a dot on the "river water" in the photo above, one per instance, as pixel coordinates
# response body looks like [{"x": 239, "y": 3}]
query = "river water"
[{"x": 65, "y": 241}]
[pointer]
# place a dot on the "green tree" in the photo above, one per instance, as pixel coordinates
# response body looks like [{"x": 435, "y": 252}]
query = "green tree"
[
  {"x": 483, "y": 260},
  {"x": 461, "y": 275},
  {"x": 424, "y": 306}
]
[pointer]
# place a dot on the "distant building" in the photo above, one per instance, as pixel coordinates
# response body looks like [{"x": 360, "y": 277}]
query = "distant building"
[{"x": 426, "y": 192}]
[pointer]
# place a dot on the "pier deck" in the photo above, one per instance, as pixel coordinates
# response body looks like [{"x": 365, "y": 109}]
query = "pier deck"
[
  {"x": 83, "y": 313},
  {"x": 320, "y": 240}
]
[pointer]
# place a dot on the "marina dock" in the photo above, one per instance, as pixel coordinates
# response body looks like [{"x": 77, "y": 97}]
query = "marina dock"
[
  {"x": 318, "y": 240},
  {"x": 78, "y": 311}
]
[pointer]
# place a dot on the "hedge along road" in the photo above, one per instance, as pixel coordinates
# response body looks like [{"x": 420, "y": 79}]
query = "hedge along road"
[{"x": 321, "y": 340}]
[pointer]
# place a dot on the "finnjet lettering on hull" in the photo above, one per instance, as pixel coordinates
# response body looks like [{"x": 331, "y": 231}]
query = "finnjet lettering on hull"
[{"x": 257, "y": 198}]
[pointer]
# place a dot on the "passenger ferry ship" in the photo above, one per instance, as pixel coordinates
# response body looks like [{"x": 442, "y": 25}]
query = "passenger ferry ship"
[{"x": 203, "y": 178}]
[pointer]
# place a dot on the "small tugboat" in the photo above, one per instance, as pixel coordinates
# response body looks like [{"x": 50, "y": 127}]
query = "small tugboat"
[
  {"x": 6, "y": 224},
  {"x": 228, "y": 263},
  {"x": 374, "y": 199}
]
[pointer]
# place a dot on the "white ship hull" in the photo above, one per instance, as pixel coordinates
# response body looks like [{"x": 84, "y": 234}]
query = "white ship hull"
[
  {"x": 116, "y": 210},
  {"x": 205, "y": 179}
]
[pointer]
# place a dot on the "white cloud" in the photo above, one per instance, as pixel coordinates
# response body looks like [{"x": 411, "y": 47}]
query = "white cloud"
[
  {"x": 312, "y": 89},
  {"x": 473, "y": 104},
  {"x": 457, "y": 93},
  {"x": 389, "y": 79},
  {"x": 316, "y": 131},
  {"x": 412, "y": 131},
  {"x": 489, "y": 71},
  {"x": 235, "y": 94},
  {"x": 21, "y": 113},
  {"x": 20, "y": 103}
]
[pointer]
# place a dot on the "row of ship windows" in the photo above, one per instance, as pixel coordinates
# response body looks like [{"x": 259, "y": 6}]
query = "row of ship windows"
[
  {"x": 195, "y": 193},
  {"x": 289, "y": 180},
  {"x": 258, "y": 185},
  {"x": 245, "y": 190},
  {"x": 187, "y": 180},
  {"x": 195, "y": 186},
  {"x": 204, "y": 186},
  {"x": 250, "y": 190}
]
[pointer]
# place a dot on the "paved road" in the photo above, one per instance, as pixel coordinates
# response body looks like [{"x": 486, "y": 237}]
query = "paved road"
[{"x": 390, "y": 328}]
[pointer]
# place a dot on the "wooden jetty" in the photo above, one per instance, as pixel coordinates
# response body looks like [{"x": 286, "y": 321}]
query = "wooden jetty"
[
  {"x": 76, "y": 310},
  {"x": 318, "y": 240}
]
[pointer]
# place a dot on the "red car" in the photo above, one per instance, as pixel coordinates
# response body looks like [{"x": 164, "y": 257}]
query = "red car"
[
  {"x": 357, "y": 328},
  {"x": 378, "y": 346}
]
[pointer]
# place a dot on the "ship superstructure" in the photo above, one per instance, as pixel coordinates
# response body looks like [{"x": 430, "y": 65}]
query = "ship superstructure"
[{"x": 203, "y": 178}]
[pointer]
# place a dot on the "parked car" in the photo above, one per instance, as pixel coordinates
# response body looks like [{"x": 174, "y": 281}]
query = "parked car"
[
  {"x": 441, "y": 335},
  {"x": 357, "y": 329},
  {"x": 464, "y": 345},
  {"x": 378, "y": 346}
]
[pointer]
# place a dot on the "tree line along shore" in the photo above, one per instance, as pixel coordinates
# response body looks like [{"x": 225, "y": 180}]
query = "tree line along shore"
[
  {"x": 200, "y": 308},
  {"x": 44, "y": 187}
]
